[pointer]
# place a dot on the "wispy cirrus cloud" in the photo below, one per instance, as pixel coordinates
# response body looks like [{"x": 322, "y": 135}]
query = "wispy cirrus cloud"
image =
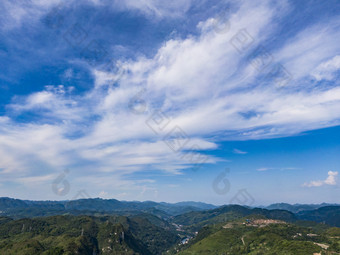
[
  {"x": 237, "y": 151},
  {"x": 327, "y": 70},
  {"x": 157, "y": 8},
  {"x": 17, "y": 13},
  {"x": 201, "y": 82},
  {"x": 262, "y": 169}
]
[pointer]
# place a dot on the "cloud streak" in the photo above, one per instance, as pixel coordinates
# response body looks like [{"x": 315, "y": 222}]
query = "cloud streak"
[
  {"x": 237, "y": 151},
  {"x": 202, "y": 83}
]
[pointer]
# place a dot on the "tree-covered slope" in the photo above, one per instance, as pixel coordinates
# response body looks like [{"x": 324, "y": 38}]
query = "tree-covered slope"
[
  {"x": 279, "y": 238},
  {"x": 195, "y": 220},
  {"x": 328, "y": 214},
  {"x": 84, "y": 235}
]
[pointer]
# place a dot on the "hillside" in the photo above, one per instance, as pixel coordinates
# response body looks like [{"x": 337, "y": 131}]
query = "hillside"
[
  {"x": 193, "y": 221},
  {"x": 329, "y": 215},
  {"x": 84, "y": 235},
  {"x": 261, "y": 237},
  {"x": 97, "y": 226}
]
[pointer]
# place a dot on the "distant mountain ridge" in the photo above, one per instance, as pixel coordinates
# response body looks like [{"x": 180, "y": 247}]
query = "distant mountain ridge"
[
  {"x": 180, "y": 213},
  {"x": 295, "y": 208},
  {"x": 16, "y": 207},
  {"x": 109, "y": 226}
]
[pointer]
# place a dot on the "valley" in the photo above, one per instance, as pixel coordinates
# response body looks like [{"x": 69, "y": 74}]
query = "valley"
[{"x": 148, "y": 230}]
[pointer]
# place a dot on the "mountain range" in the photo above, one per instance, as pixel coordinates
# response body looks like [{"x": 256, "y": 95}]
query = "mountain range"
[{"x": 99, "y": 226}]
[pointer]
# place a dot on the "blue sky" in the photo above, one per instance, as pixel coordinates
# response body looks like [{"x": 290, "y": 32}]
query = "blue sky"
[{"x": 213, "y": 101}]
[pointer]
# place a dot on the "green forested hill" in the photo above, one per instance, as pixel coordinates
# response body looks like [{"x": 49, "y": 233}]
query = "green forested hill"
[
  {"x": 328, "y": 214},
  {"x": 150, "y": 230},
  {"x": 146, "y": 235},
  {"x": 194, "y": 221},
  {"x": 285, "y": 239},
  {"x": 84, "y": 235}
]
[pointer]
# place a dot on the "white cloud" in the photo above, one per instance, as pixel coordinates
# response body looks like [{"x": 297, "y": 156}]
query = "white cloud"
[
  {"x": 54, "y": 102},
  {"x": 173, "y": 185},
  {"x": 303, "y": 53},
  {"x": 327, "y": 69},
  {"x": 15, "y": 13},
  {"x": 276, "y": 168},
  {"x": 157, "y": 8},
  {"x": 331, "y": 180},
  {"x": 202, "y": 83},
  {"x": 34, "y": 180},
  {"x": 237, "y": 151},
  {"x": 263, "y": 169}
]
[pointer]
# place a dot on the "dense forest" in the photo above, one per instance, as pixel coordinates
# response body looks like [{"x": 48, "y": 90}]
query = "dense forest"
[{"x": 147, "y": 229}]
